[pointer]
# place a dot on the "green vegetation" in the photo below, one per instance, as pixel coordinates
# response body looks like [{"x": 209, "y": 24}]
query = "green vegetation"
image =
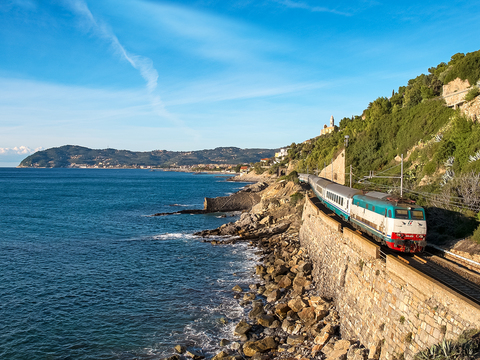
[
  {"x": 295, "y": 198},
  {"x": 465, "y": 67},
  {"x": 465, "y": 348},
  {"x": 293, "y": 176},
  {"x": 472, "y": 93},
  {"x": 258, "y": 168}
]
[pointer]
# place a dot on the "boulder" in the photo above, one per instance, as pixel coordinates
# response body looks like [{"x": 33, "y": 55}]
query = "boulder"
[
  {"x": 288, "y": 326},
  {"x": 356, "y": 353},
  {"x": 257, "y": 310},
  {"x": 279, "y": 270},
  {"x": 295, "y": 339},
  {"x": 275, "y": 325},
  {"x": 281, "y": 310},
  {"x": 237, "y": 288},
  {"x": 285, "y": 282},
  {"x": 249, "y": 296},
  {"x": 235, "y": 346},
  {"x": 180, "y": 349},
  {"x": 307, "y": 314},
  {"x": 265, "y": 320},
  {"x": 224, "y": 342},
  {"x": 194, "y": 356},
  {"x": 297, "y": 304},
  {"x": 242, "y": 328},
  {"x": 260, "y": 270},
  {"x": 274, "y": 296},
  {"x": 250, "y": 348},
  {"x": 322, "y": 339},
  {"x": 221, "y": 355},
  {"x": 173, "y": 357}
]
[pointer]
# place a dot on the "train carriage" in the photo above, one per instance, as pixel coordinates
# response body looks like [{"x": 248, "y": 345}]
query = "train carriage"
[
  {"x": 400, "y": 226},
  {"x": 339, "y": 199}
]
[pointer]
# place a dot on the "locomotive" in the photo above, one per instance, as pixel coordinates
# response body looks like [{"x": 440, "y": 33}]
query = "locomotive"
[{"x": 399, "y": 225}]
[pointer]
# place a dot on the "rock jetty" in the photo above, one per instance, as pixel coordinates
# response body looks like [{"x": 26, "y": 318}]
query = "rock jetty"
[{"x": 286, "y": 318}]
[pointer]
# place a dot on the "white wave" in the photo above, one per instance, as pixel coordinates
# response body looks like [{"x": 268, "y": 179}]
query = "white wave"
[{"x": 169, "y": 236}]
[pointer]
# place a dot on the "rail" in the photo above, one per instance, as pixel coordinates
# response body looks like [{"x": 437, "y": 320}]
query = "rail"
[{"x": 469, "y": 261}]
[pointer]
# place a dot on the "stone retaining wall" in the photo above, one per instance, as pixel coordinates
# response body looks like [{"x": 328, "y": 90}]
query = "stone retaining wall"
[{"x": 384, "y": 304}]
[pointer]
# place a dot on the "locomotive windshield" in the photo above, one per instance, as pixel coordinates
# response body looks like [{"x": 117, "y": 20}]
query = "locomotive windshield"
[
  {"x": 401, "y": 214},
  {"x": 417, "y": 215}
]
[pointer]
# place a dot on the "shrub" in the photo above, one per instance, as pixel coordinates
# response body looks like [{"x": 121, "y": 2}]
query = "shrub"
[
  {"x": 472, "y": 94},
  {"x": 430, "y": 168},
  {"x": 476, "y": 235},
  {"x": 295, "y": 198}
]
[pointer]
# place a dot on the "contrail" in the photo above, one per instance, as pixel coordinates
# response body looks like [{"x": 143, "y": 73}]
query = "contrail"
[{"x": 143, "y": 64}]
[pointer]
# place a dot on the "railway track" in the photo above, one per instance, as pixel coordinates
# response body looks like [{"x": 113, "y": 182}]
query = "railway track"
[
  {"x": 423, "y": 263},
  {"x": 445, "y": 276}
]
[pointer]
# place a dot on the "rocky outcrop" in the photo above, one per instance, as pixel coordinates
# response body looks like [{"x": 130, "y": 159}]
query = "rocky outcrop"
[{"x": 244, "y": 199}]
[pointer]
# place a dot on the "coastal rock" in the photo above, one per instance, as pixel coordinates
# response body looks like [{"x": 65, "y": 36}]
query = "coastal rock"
[
  {"x": 297, "y": 304},
  {"x": 250, "y": 348},
  {"x": 295, "y": 339},
  {"x": 307, "y": 314},
  {"x": 173, "y": 357},
  {"x": 242, "y": 328},
  {"x": 221, "y": 355},
  {"x": 193, "y": 355},
  {"x": 180, "y": 349},
  {"x": 257, "y": 310},
  {"x": 285, "y": 282},
  {"x": 260, "y": 270},
  {"x": 224, "y": 342},
  {"x": 274, "y": 296},
  {"x": 281, "y": 310},
  {"x": 356, "y": 353},
  {"x": 265, "y": 320},
  {"x": 237, "y": 288},
  {"x": 249, "y": 296}
]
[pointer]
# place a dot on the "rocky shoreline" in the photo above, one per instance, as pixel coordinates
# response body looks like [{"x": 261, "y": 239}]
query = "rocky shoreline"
[{"x": 286, "y": 319}]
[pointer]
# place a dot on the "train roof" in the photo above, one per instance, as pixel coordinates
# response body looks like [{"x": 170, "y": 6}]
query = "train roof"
[
  {"x": 385, "y": 202},
  {"x": 377, "y": 194},
  {"x": 321, "y": 181},
  {"x": 343, "y": 190}
]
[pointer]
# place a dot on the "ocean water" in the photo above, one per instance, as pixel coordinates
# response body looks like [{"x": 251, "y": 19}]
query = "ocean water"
[{"x": 85, "y": 273}]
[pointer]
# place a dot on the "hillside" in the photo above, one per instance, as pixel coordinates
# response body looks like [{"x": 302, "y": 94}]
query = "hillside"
[
  {"x": 76, "y": 156},
  {"x": 440, "y": 144}
]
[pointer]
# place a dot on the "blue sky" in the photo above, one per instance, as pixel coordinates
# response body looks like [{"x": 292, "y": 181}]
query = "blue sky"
[{"x": 198, "y": 74}]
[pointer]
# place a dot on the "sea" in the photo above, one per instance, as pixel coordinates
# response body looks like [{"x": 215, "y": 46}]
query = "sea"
[{"x": 87, "y": 273}]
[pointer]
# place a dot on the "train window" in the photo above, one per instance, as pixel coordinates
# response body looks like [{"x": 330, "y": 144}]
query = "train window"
[
  {"x": 366, "y": 206},
  {"x": 385, "y": 212},
  {"x": 401, "y": 214},
  {"x": 373, "y": 208},
  {"x": 417, "y": 214},
  {"x": 389, "y": 213}
]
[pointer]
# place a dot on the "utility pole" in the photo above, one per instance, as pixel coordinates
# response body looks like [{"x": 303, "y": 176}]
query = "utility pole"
[
  {"x": 350, "y": 175},
  {"x": 332, "y": 169},
  {"x": 401, "y": 179}
]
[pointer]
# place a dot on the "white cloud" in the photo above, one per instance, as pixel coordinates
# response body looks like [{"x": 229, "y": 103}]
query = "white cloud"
[
  {"x": 302, "y": 5},
  {"x": 19, "y": 150}
]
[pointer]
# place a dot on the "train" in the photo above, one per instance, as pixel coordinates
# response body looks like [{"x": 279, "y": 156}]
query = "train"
[{"x": 399, "y": 225}]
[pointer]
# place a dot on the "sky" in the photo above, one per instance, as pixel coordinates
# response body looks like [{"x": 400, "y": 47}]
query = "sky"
[{"x": 198, "y": 74}]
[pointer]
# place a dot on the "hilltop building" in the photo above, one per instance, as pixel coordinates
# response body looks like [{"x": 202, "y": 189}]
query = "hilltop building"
[{"x": 327, "y": 130}]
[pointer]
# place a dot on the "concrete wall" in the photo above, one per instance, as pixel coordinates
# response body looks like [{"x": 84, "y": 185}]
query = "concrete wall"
[
  {"x": 337, "y": 173},
  {"x": 454, "y": 92},
  {"x": 386, "y": 304}
]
